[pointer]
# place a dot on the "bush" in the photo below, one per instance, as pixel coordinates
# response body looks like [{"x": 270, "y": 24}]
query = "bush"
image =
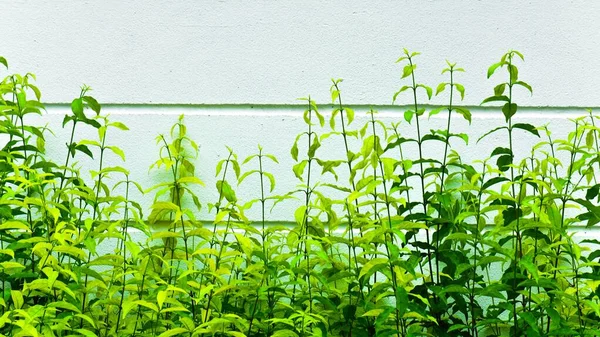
[{"x": 387, "y": 239}]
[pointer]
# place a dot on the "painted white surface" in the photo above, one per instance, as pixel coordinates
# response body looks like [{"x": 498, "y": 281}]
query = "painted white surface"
[{"x": 271, "y": 52}]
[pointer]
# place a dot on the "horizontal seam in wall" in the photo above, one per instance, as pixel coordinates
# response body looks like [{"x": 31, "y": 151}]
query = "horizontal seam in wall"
[
  {"x": 297, "y": 110},
  {"x": 303, "y": 106}
]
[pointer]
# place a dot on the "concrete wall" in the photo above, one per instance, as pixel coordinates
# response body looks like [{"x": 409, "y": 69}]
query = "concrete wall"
[
  {"x": 271, "y": 52},
  {"x": 235, "y": 68}
]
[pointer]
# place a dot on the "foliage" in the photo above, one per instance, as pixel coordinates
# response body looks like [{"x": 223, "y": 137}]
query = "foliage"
[{"x": 388, "y": 238}]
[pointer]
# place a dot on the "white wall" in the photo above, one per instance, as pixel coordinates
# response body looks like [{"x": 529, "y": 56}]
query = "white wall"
[
  {"x": 271, "y": 52},
  {"x": 236, "y": 67}
]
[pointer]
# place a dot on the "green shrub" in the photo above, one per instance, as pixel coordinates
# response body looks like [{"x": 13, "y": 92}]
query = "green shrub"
[{"x": 387, "y": 239}]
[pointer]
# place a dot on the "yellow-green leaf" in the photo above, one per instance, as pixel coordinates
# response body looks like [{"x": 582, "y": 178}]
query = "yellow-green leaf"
[
  {"x": 12, "y": 224},
  {"x": 160, "y": 298},
  {"x": 190, "y": 180},
  {"x": 10, "y": 264},
  {"x": 372, "y": 266},
  {"x": 173, "y": 332},
  {"x": 17, "y": 298},
  {"x": 372, "y": 313}
]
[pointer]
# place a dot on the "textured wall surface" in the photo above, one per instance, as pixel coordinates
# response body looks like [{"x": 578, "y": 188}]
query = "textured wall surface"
[
  {"x": 271, "y": 52},
  {"x": 235, "y": 68}
]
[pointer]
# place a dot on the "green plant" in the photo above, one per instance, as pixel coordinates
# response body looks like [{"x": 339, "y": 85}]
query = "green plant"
[{"x": 389, "y": 238}]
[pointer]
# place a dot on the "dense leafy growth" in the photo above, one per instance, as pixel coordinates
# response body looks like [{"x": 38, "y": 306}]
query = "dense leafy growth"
[{"x": 388, "y": 240}]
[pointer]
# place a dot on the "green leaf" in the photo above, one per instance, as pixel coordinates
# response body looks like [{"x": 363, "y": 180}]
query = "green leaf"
[
  {"x": 465, "y": 113},
  {"x": 334, "y": 94},
  {"x": 284, "y": 333},
  {"x": 509, "y": 110},
  {"x": 70, "y": 250},
  {"x": 503, "y": 162},
  {"x": 3, "y": 61},
  {"x": 406, "y": 87},
  {"x": 329, "y": 166},
  {"x": 36, "y": 91},
  {"x": 8, "y": 252},
  {"x": 17, "y": 298},
  {"x": 11, "y": 265},
  {"x": 499, "y": 89},
  {"x": 126, "y": 308},
  {"x": 527, "y": 127},
  {"x": 401, "y": 301},
  {"x": 161, "y": 297},
  {"x": 349, "y": 114},
  {"x": 332, "y": 118},
  {"x": 93, "y": 104},
  {"x": 245, "y": 244},
  {"x": 383, "y": 317},
  {"x": 408, "y": 70},
  {"x": 246, "y": 175},
  {"x": 493, "y": 68},
  {"x": 165, "y": 205},
  {"x": 531, "y": 320},
  {"x": 13, "y": 224},
  {"x": 455, "y": 288},
  {"x": 315, "y": 144},
  {"x": 461, "y": 89},
  {"x": 495, "y": 99},
  {"x": 165, "y": 235},
  {"x": 490, "y": 132},
  {"x": 492, "y": 182},
  {"x": 459, "y": 237},
  {"x": 116, "y": 150},
  {"x": 518, "y": 54},
  {"x": 501, "y": 150},
  {"x": 436, "y": 111},
  {"x": 64, "y": 305},
  {"x": 524, "y": 85},
  {"x": 87, "y": 319},
  {"x": 367, "y": 146},
  {"x": 86, "y": 332},
  {"x": 589, "y": 139},
  {"x": 408, "y": 115},
  {"x": 271, "y": 180},
  {"x": 514, "y": 73},
  {"x": 427, "y": 89},
  {"x": 527, "y": 263},
  {"x": 299, "y": 169},
  {"x": 77, "y": 108},
  {"x": 190, "y": 180},
  {"x": 300, "y": 215},
  {"x": 459, "y": 327},
  {"x": 119, "y": 126},
  {"x": 236, "y": 168},
  {"x": 440, "y": 88},
  {"x": 147, "y": 304},
  {"x": 372, "y": 266},
  {"x": 235, "y": 333},
  {"x": 294, "y": 151},
  {"x": 272, "y": 157},
  {"x": 84, "y": 149},
  {"x": 226, "y": 191},
  {"x": 249, "y": 158},
  {"x": 173, "y": 332},
  {"x": 372, "y": 313}
]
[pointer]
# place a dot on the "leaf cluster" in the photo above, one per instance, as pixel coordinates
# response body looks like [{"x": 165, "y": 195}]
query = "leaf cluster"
[{"x": 388, "y": 239}]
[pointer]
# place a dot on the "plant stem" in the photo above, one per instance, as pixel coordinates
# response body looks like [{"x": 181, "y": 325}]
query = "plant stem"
[
  {"x": 399, "y": 320},
  {"x": 421, "y": 170},
  {"x": 124, "y": 250}
]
